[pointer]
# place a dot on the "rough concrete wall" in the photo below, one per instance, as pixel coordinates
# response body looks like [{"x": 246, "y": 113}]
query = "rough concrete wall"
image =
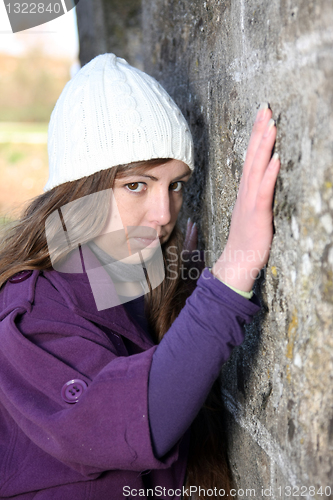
[
  {"x": 110, "y": 26},
  {"x": 219, "y": 60}
]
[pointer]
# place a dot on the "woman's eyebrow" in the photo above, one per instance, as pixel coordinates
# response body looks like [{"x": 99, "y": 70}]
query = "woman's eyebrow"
[{"x": 185, "y": 174}]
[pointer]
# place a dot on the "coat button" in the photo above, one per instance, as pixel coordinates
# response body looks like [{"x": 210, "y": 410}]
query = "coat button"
[
  {"x": 20, "y": 276},
  {"x": 73, "y": 390}
]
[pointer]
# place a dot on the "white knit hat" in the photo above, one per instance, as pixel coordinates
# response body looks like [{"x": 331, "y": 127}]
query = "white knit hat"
[{"x": 112, "y": 114}]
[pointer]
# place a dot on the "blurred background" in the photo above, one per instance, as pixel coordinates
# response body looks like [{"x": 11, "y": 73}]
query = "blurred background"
[
  {"x": 35, "y": 65},
  {"x": 219, "y": 60}
]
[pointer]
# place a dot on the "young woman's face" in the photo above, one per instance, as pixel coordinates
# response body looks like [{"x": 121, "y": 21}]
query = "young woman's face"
[{"x": 144, "y": 208}]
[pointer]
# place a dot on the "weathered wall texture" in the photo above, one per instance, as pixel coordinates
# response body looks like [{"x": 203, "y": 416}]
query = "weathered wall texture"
[
  {"x": 219, "y": 60},
  {"x": 110, "y": 26}
]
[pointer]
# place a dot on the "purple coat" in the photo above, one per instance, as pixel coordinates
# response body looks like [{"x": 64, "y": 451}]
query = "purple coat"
[
  {"x": 50, "y": 335},
  {"x": 73, "y": 403}
]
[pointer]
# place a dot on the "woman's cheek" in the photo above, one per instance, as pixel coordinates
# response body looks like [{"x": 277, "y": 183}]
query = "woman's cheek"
[{"x": 127, "y": 209}]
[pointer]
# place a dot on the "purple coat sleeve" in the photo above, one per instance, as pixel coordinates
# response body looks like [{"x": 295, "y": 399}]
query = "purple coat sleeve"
[{"x": 189, "y": 358}]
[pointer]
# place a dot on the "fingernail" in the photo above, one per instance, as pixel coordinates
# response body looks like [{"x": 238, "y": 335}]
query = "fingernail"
[
  {"x": 270, "y": 125},
  {"x": 193, "y": 232},
  {"x": 275, "y": 159},
  {"x": 262, "y": 111},
  {"x": 188, "y": 220}
]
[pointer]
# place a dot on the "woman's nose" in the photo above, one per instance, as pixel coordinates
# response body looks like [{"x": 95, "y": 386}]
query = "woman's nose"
[{"x": 159, "y": 210}]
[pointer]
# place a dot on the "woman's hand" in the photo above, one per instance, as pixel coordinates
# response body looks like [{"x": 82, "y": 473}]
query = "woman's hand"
[
  {"x": 251, "y": 229},
  {"x": 191, "y": 238}
]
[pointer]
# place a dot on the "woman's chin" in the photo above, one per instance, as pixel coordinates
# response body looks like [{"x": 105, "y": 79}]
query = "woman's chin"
[{"x": 129, "y": 251}]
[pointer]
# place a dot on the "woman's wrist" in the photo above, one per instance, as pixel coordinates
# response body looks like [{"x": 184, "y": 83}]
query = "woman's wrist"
[
  {"x": 246, "y": 295},
  {"x": 236, "y": 274}
]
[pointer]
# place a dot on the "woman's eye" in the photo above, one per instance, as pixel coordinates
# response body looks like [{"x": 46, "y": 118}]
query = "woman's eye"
[
  {"x": 137, "y": 187},
  {"x": 176, "y": 186}
]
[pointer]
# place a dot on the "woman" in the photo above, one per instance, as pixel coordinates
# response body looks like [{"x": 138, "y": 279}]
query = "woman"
[{"x": 103, "y": 368}]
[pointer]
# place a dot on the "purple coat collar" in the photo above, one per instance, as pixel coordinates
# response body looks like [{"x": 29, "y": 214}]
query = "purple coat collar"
[{"x": 76, "y": 289}]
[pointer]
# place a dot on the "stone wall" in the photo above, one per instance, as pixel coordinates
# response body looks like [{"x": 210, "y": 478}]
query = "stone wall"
[
  {"x": 220, "y": 60},
  {"x": 110, "y": 26}
]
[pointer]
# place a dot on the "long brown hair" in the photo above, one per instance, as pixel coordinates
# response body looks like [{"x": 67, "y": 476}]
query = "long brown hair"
[{"x": 24, "y": 246}]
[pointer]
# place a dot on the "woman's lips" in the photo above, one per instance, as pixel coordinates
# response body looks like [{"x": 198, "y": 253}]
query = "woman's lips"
[
  {"x": 142, "y": 237},
  {"x": 143, "y": 242}
]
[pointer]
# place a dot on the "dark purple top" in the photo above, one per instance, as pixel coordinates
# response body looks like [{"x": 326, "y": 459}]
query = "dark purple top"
[{"x": 56, "y": 348}]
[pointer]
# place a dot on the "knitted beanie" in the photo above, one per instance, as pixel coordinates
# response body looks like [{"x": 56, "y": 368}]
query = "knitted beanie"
[{"x": 112, "y": 114}]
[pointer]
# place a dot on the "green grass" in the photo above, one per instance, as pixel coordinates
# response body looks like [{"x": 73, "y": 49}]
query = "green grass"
[
  {"x": 15, "y": 156},
  {"x": 11, "y": 153},
  {"x": 21, "y": 127},
  {"x": 20, "y": 132},
  {"x": 4, "y": 221}
]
